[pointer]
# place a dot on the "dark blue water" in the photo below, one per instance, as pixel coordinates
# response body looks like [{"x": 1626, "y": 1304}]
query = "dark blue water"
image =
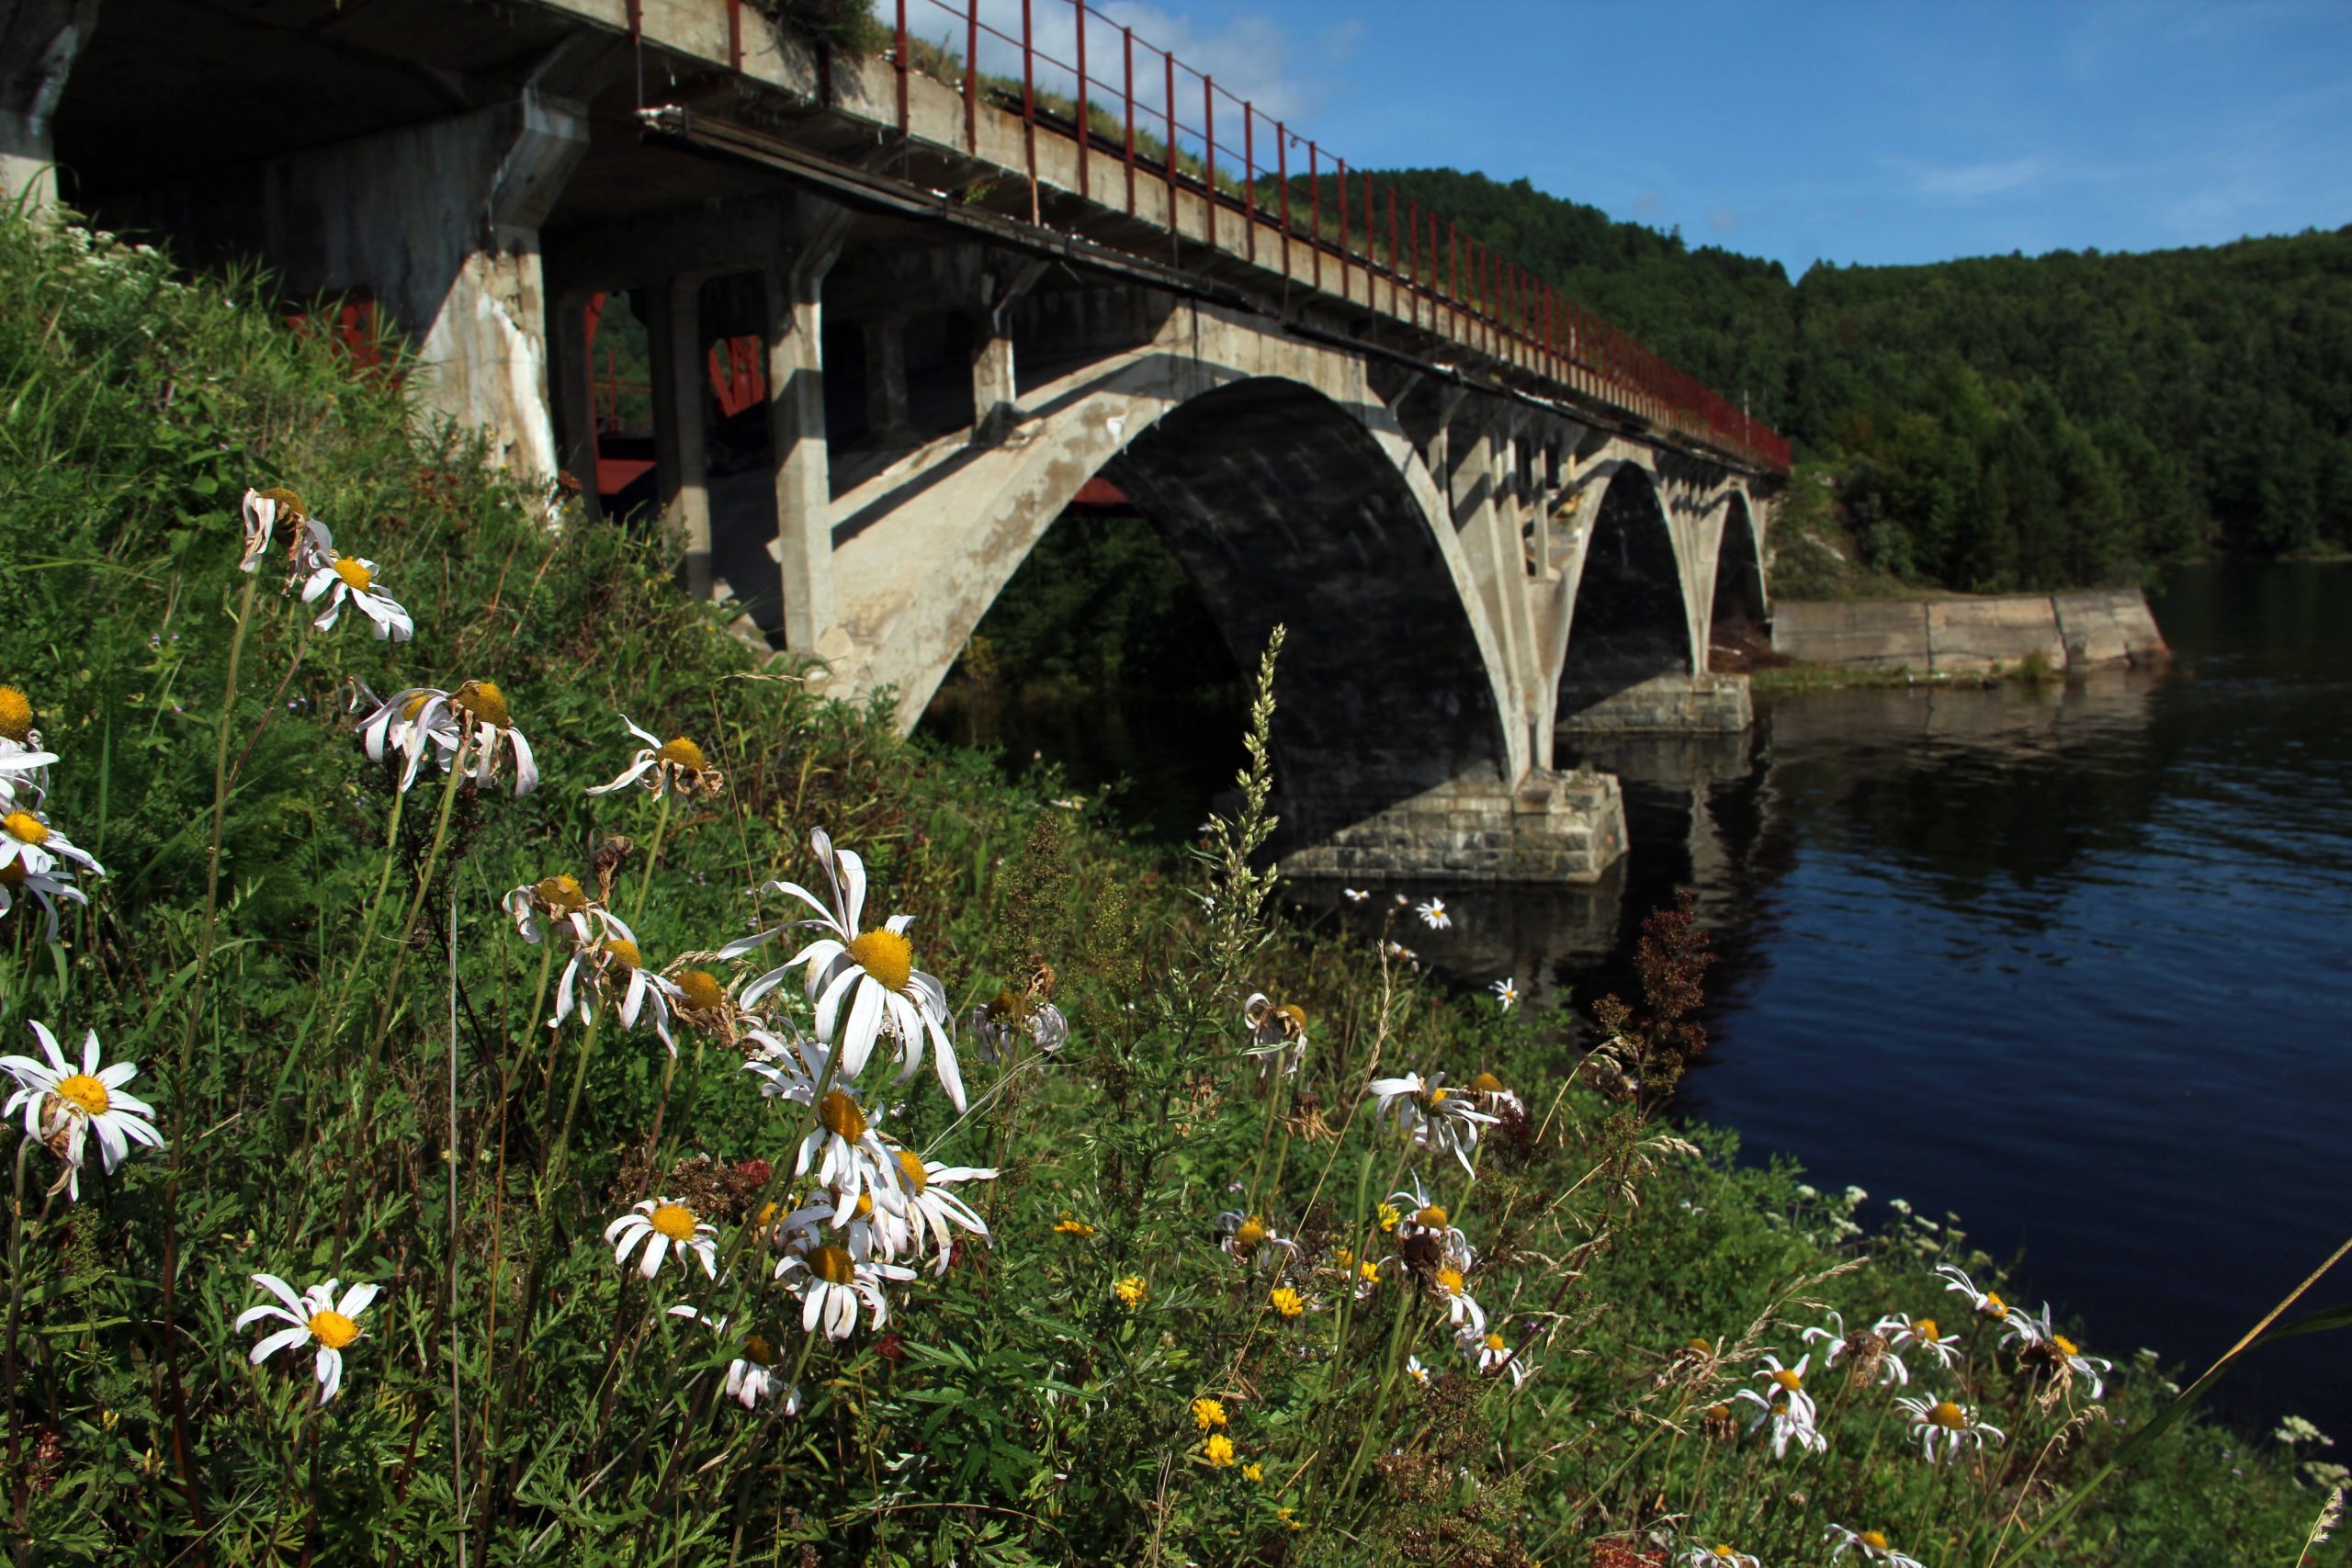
[{"x": 2074, "y": 964}]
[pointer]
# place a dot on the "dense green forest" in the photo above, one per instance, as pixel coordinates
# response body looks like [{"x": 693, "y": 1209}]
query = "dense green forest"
[{"x": 2002, "y": 422}]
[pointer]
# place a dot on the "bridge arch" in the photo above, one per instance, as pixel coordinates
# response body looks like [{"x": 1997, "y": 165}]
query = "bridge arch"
[
  {"x": 1627, "y": 619},
  {"x": 1737, "y": 608},
  {"x": 1286, "y": 487}
]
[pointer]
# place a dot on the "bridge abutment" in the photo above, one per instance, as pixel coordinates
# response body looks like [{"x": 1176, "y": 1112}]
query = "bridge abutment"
[
  {"x": 1551, "y": 827},
  {"x": 1700, "y": 704}
]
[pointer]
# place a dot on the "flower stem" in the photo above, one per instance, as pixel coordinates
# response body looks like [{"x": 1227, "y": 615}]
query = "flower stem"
[
  {"x": 220, "y": 812},
  {"x": 416, "y": 907},
  {"x": 645, "y": 877}
]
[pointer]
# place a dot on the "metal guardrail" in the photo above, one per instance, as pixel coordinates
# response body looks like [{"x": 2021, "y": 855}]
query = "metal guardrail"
[{"x": 1482, "y": 298}]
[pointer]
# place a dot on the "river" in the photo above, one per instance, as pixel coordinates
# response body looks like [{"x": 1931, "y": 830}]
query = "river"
[{"x": 2073, "y": 962}]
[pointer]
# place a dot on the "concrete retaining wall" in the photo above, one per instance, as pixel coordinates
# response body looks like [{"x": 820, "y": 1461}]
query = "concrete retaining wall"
[{"x": 1971, "y": 636}]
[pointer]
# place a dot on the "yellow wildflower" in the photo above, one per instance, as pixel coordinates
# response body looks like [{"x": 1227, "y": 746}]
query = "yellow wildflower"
[
  {"x": 1287, "y": 1302},
  {"x": 1207, "y": 1413},
  {"x": 1131, "y": 1291},
  {"x": 1219, "y": 1451}
]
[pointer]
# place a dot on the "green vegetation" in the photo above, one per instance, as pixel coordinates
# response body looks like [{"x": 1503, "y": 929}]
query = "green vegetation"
[
  {"x": 2005, "y": 422},
  {"x": 345, "y": 1040}
]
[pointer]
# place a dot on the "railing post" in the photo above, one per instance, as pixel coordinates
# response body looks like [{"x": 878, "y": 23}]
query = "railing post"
[
  {"x": 1085, "y": 121},
  {"x": 1028, "y": 99},
  {"x": 1208, "y": 155},
  {"x": 899, "y": 52},
  {"x": 1250, "y": 179},
  {"x": 1128, "y": 41},
  {"x": 972, "y": 77},
  {"x": 1168, "y": 104},
  {"x": 1314, "y": 208},
  {"x": 1392, "y": 249},
  {"x": 1343, "y": 175},
  {"x": 1281, "y": 182}
]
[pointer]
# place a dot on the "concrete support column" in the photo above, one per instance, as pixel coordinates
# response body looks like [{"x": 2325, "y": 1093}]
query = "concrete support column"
[
  {"x": 995, "y": 381},
  {"x": 680, "y": 428},
  {"x": 38, "y": 43},
  {"x": 571, "y": 377},
  {"x": 804, "y": 493}
]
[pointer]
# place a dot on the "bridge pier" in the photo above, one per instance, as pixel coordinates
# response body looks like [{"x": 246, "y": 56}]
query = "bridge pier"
[{"x": 1551, "y": 827}]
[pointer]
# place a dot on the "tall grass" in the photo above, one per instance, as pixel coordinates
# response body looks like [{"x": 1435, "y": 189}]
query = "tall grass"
[{"x": 348, "y": 1043}]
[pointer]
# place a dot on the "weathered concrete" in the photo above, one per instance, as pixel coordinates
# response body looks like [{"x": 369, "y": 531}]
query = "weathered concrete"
[
  {"x": 1971, "y": 636},
  {"x": 1678, "y": 704},
  {"x": 1551, "y": 827},
  {"x": 38, "y": 43}
]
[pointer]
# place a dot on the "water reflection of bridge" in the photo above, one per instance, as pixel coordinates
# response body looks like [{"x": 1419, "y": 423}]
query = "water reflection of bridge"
[{"x": 2051, "y": 772}]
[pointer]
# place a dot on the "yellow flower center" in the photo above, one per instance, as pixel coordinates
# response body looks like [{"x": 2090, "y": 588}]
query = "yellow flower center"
[
  {"x": 483, "y": 700},
  {"x": 910, "y": 1166},
  {"x": 1448, "y": 1280},
  {"x": 415, "y": 706},
  {"x": 623, "y": 951},
  {"x": 1287, "y": 1302},
  {"x": 1725, "y": 1552},
  {"x": 1495, "y": 1343},
  {"x": 832, "y": 1265},
  {"x": 1994, "y": 1307},
  {"x": 331, "y": 1329},
  {"x": 1718, "y": 1412},
  {"x": 12, "y": 874},
  {"x": 886, "y": 955},
  {"x": 680, "y": 753},
  {"x": 1293, "y": 1017},
  {"x": 1487, "y": 1083},
  {"x": 757, "y": 1349},
  {"x": 1788, "y": 1380},
  {"x": 289, "y": 505},
  {"x": 1436, "y": 1094},
  {"x": 1250, "y": 1236},
  {"x": 864, "y": 1210},
  {"x": 355, "y": 573},
  {"x": 561, "y": 895},
  {"x": 2066, "y": 1345},
  {"x": 1925, "y": 1329},
  {"x": 88, "y": 1093},
  {"x": 1947, "y": 1416},
  {"x": 16, "y": 714},
  {"x": 1207, "y": 1413},
  {"x": 25, "y": 826},
  {"x": 1701, "y": 1346},
  {"x": 703, "y": 991},
  {"x": 1009, "y": 1006},
  {"x": 1874, "y": 1539},
  {"x": 842, "y": 1116},
  {"x": 1433, "y": 1217},
  {"x": 675, "y": 1220}
]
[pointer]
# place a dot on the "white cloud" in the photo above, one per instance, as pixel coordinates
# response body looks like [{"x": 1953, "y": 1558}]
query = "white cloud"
[{"x": 1970, "y": 182}]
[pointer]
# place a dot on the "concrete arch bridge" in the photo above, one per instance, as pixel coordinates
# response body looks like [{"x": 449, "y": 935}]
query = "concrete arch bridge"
[{"x": 895, "y": 319}]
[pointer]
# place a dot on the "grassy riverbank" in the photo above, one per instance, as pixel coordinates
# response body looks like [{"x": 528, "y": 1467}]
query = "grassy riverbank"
[{"x": 345, "y": 1040}]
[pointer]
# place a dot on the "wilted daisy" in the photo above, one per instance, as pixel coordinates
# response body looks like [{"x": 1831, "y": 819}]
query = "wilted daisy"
[
  {"x": 64, "y": 1106},
  {"x": 2046, "y": 1349},
  {"x": 864, "y": 982},
  {"x": 465, "y": 729},
  {"x": 1491, "y": 1354},
  {"x": 843, "y": 1151},
  {"x": 261, "y": 511},
  {"x": 1436, "y": 1116},
  {"x": 46, "y": 886},
  {"x": 1419, "y": 1217},
  {"x": 1871, "y": 1544},
  {"x": 702, "y": 1003},
  {"x": 1019, "y": 1011},
  {"x": 1506, "y": 992},
  {"x": 615, "y": 964},
  {"x": 28, "y": 840},
  {"x": 1277, "y": 1029},
  {"x": 562, "y": 902},
  {"x": 348, "y": 578},
  {"x": 1870, "y": 1352},
  {"x": 1944, "y": 1426},
  {"x": 1902, "y": 1329},
  {"x": 676, "y": 766},
  {"x": 408, "y": 723},
  {"x": 318, "y": 1318},
  {"x": 751, "y": 1376},
  {"x": 1448, "y": 1284},
  {"x": 1247, "y": 1238},
  {"x": 830, "y": 1283},
  {"x": 1493, "y": 1096},
  {"x": 1790, "y": 1418},
  {"x": 660, "y": 1224},
  {"x": 1433, "y": 914},
  {"x": 1987, "y": 1304}
]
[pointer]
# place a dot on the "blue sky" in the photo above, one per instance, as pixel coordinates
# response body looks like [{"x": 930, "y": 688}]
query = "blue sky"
[{"x": 1849, "y": 132}]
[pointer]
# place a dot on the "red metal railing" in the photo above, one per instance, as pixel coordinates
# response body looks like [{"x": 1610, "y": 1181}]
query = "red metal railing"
[{"x": 1428, "y": 271}]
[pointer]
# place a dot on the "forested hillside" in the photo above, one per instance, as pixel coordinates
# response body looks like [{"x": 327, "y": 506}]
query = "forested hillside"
[{"x": 2004, "y": 422}]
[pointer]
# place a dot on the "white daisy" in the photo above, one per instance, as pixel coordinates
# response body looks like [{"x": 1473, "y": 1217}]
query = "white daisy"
[
  {"x": 615, "y": 964},
  {"x": 832, "y": 1284},
  {"x": 1015, "y": 1015},
  {"x": 864, "y": 982},
  {"x": 1277, "y": 1033},
  {"x": 1490, "y": 1354},
  {"x": 563, "y": 902},
  {"x": 1415, "y": 1370},
  {"x": 1436, "y": 1116},
  {"x": 1985, "y": 1304},
  {"x": 409, "y": 723},
  {"x": 27, "y": 838},
  {"x": 465, "y": 729},
  {"x": 1418, "y": 1216},
  {"x": 1947, "y": 1425},
  {"x": 661, "y": 1225},
  {"x": 2044, "y": 1346},
  {"x": 1355, "y": 895},
  {"x": 1446, "y": 1282},
  {"x": 1247, "y": 1238},
  {"x": 1790, "y": 1421},
  {"x": 1506, "y": 992},
  {"x": 1902, "y": 1329},
  {"x": 751, "y": 1376},
  {"x": 1871, "y": 1351},
  {"x": 1787, "y": 1382},
  {"x": 932, "y": 1208},
  {"x": 1493, "y": 1096},
  {"x": 2022, "y": 1329},
  {"x": 62, "y": 1106},
  {"x": 349, "y": 579},
  {"x": 666, "y": 767},
  {"x": 1871, "y": 1544},
  {"x": 46, "y": 886},
  {"x": 317, "y": 1318},
  {"x": 844, "y": 1152},
  {"x": 1433, "y": 914},
  {"x": 24, "y": 770},
  {"x": 1717, "y": 1556}
]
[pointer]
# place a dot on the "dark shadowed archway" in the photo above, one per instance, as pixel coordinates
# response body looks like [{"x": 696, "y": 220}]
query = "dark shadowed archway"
[
  {"x": 1736, "y": 619},
  {"x": 1628, "y": 624},
  {"x": 1283, "y": 509}
]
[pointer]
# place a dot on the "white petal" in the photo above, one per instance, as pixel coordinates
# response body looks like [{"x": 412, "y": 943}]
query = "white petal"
[{"x": 284, "y": 1340}]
